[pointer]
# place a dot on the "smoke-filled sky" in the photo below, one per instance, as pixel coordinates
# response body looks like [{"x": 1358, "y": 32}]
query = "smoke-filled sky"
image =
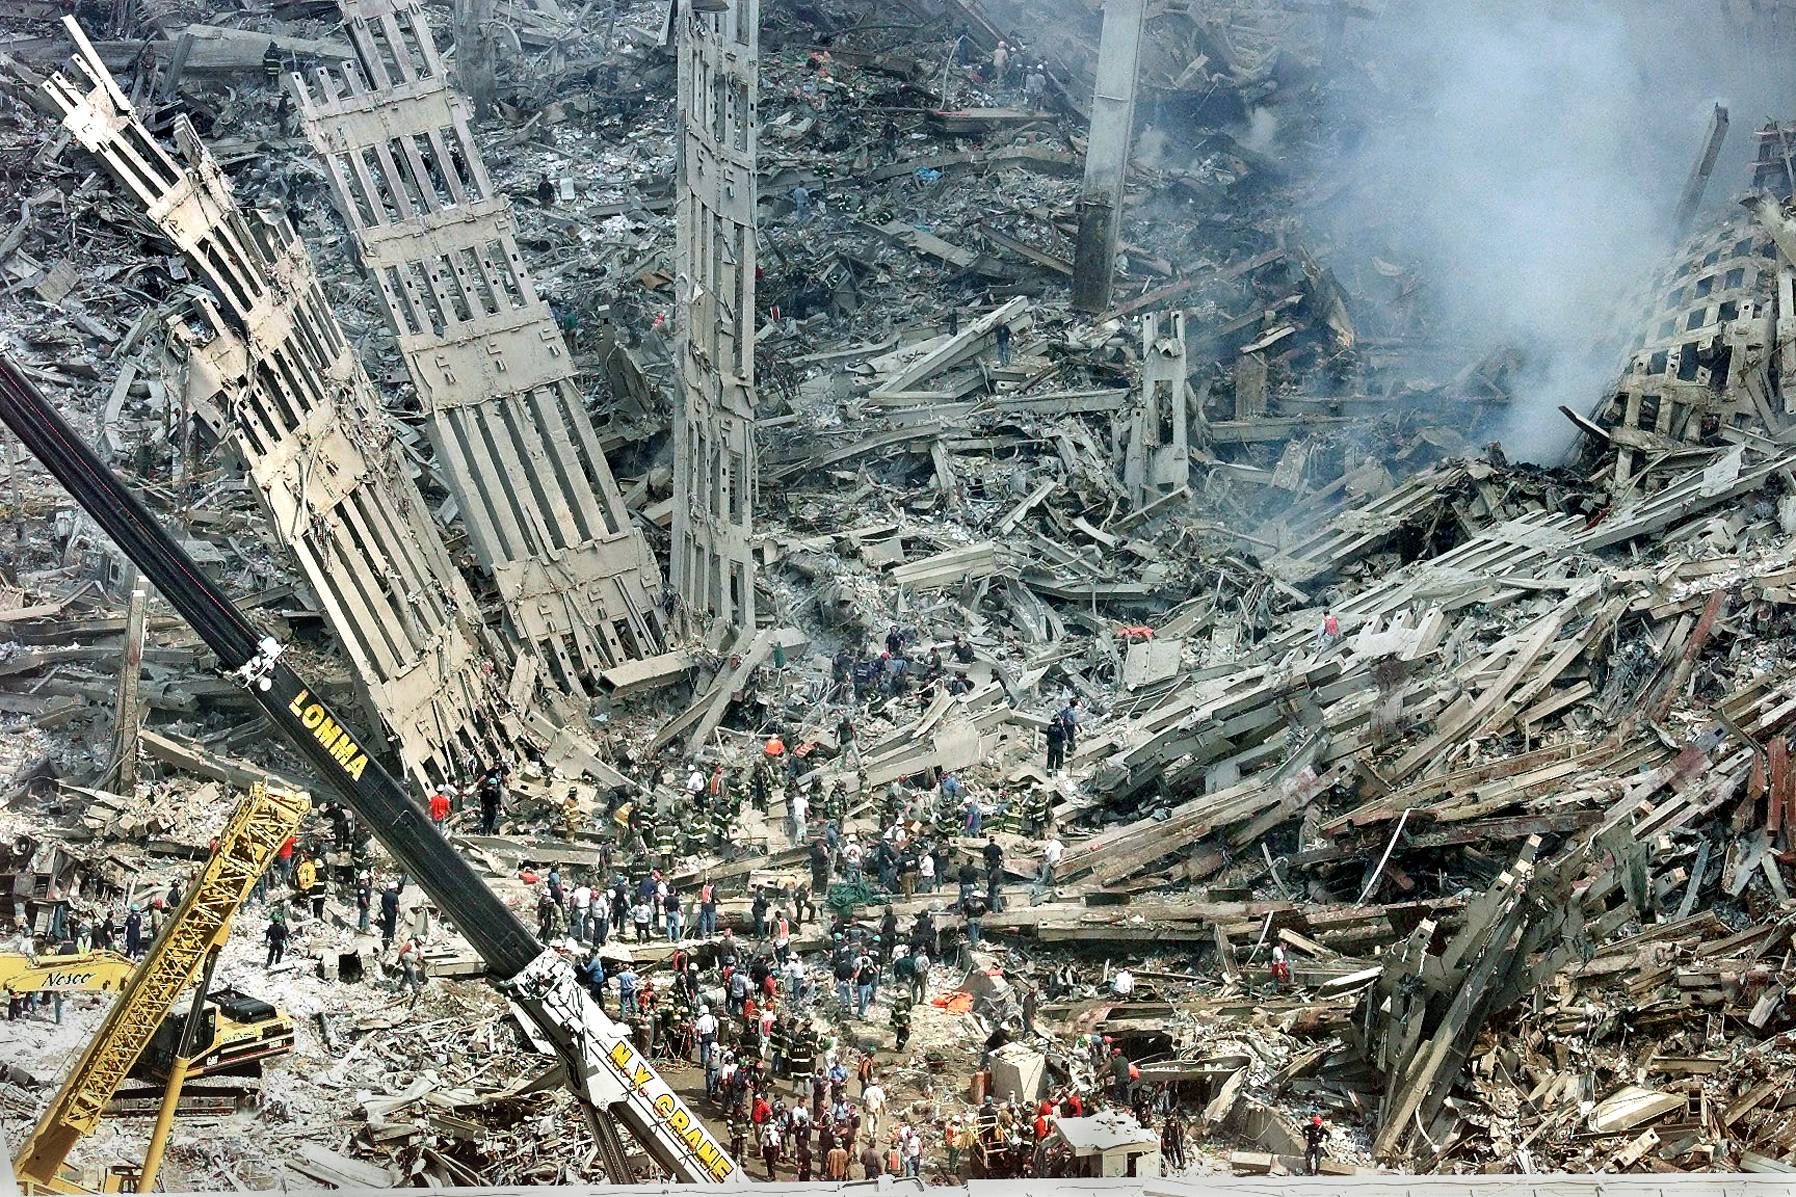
[{"x": 1525, "y": 156}]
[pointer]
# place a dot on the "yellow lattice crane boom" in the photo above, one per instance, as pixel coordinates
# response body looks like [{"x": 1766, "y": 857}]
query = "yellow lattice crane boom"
[{"x": 261, "y": 823}]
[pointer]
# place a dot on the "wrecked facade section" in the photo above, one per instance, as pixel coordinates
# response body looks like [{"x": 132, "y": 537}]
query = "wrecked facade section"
[
  {"x": 1158, "y": 461},
  {"x": 579, "y": 587},
  {"x": 715, "y": 466},
  {"x": 292, "y": 397}
]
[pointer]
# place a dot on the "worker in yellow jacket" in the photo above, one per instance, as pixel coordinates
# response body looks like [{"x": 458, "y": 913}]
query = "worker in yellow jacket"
[{"x": 305, "y": 876}]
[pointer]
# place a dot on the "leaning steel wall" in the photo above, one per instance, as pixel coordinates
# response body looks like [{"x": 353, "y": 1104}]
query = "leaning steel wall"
[
  {"x": 307, "y": 422},
  {"x": 578, "y": 583}
]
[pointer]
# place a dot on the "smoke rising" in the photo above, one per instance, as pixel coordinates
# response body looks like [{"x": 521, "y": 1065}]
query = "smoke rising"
[{"x": 1522, "y": 160}]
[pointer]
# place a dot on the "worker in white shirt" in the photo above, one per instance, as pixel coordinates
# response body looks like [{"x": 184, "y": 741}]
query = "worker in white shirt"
[
  {"x": 873, "y": 1101},
  {"x": 1051, "y": 852},
  {"x": 706, "y": 1026},
  {"x": 579, "y": 908}
]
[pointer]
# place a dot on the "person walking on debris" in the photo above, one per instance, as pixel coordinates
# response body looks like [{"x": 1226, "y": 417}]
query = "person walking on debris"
[
  {"x": 974, "y": 909},
  {"x": 1069, "y": 723},
  {"x": 642, "y": 916},
  {"x": 901, "y": 1011},
  {"x": 1315, "y": 1135},
  {"x": 1172, "y": 1139},
  {"x": 707, "y": 908},
  {"x": 1122, "y": 1074},
  {"x": 316, "y": 889},
  {"x": 364, "y": 903},
  {"x": 134, "y": 932},
  {"x": 592, "y": 976},
  {"x": 1051, "y": 852},
  {"x": 440, "y": 804},
  {"x": 579, "y": 903},
  {"x": 389, "y": 913},
  {"x": 492, "y": 798},
  {"x": 305, "y": 875},
  {"x": 1281, "y": 967},
  {"x": 548, "y": 915},
  {"x": 276, "y": 935},
  {"x": 1056, "y": 734},
  {"x": 848, "y": 749},
  {"x": 1329, "y": 632},
  {"x": 411, "y": 969},
  {"x": 1003, "y": 344}
]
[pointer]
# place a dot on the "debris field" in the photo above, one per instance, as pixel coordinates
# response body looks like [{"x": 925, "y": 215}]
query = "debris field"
[{"x": 901, "y": 484}]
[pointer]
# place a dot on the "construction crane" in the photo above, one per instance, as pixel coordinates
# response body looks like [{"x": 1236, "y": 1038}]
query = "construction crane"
[
  {"x": 98, "y": 971},
  {"x": 603, "y": 1068},
  {"x": 236, "y": 1030},
  {"x": 187, "y": 947}
]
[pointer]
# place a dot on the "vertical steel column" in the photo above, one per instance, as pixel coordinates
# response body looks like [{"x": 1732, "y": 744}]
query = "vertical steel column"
[
  {"x": 1107, "y": 153},
  {"x": 1158, "y": 460},
  {"x": 713, "y": 569}
]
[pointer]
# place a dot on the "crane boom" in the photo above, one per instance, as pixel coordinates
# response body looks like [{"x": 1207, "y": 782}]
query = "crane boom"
[
  {"x": 603, "y": 1068},
  {"x": 261, "y": 823}
]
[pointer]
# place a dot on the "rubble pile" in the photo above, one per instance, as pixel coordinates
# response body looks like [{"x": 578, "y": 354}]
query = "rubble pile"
[{"x": 1194, "y": 683}]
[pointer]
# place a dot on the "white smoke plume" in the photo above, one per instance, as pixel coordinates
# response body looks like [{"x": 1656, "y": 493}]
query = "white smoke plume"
[{"x": 1523, "y": 158}]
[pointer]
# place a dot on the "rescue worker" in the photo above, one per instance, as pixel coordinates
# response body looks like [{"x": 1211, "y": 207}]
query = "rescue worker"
[
  {"x": 1315, "y": 1135},
  {"x": 411, "y": 969},
  {"x": 1281, "y": 966},
  {"x": 364, "y": 902},
  {"x": 305, "y": 876},
  {"x": 492, "y": 798},
  {"x": 1172, "y": 1139},
  {"x": 134, "y": 932},
  {"x": 901, "y": 1007},
  {"x": 276, "y": 935},
  {"x": 389, "y": 913},
  {"x": 548, "y": 915},
  {"x": 316, "y": 890}
]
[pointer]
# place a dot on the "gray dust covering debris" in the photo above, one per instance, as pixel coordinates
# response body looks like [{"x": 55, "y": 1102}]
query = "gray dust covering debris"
[{"x": 1023, "y": 588}]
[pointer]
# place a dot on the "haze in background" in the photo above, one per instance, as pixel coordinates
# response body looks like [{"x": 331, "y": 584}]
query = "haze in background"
[{"x": 1523, "y": 157}]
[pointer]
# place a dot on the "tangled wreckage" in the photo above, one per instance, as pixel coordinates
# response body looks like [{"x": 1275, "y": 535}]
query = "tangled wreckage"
[{"x": 599, "y": 395}]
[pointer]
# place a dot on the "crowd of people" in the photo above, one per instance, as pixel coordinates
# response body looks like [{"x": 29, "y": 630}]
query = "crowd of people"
[{"x": 788, "y": 1043}]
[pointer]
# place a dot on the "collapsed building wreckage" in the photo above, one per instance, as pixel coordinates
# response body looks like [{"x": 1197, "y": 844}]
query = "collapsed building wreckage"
[{"x": 1521, "y": 827}]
